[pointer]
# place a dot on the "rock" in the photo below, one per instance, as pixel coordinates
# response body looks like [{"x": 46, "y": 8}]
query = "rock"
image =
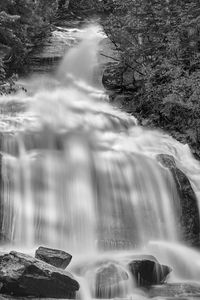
[
  {"x": 113, "y": 76},
  {"x": 1, "y": 197},
  {"x": 45, "y": 56},
  {"x": 4, "y": 51},
  {"x": 121, "y": 85},
  {"x": 133, "y": 257},
  {"x": 63, "y": 4},
  {"x": 23, "y": 275},
  {"x": 175, "y": 290},
  {"x": 86, "y": 7},
  {"x": 119, "y": 77},
  {"x": 107, "y": 278},
  {"x": 110, "y": 281},
  {"x": 54, "y": 257},
  {"x": 189, "y": 215},
  {"x": 148, "y": 272}
]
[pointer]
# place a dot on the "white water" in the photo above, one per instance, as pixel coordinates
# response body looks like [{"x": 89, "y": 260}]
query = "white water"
[{"x": 80, "y": 175}]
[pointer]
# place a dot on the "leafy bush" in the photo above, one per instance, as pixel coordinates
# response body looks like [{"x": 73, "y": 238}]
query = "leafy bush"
[
  {"x": 159, "y": 41},
  {"x": 21, "y": 23}
]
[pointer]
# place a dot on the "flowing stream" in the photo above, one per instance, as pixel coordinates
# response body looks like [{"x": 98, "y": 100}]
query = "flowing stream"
[{"x": 81, "y": 175}]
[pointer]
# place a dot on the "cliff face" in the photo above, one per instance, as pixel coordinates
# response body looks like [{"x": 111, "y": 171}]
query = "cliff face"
[
  {"x": 45, "y": 56},
  {"x": 189, "y": 212}
]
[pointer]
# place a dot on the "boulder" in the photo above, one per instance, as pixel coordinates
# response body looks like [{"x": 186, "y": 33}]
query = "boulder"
[
  {"x": 132, "y": 257},
  {"x": 4, "y": 51},
  {"x": 23, "y": 275},
  {"x": 117, "y": 76},
  {"x": 107, "y": 277},
  {"x": 111, "y": 281},
  {"x": 148, "y": 272},
  {"x": 189, "y": 214},
  {"x": 54, "y": 257},
  {"x": 113, "y": 76},
  {"x": 121, "y": 85},
  {"x": 63, "y": 4},
  {"x": 175, "y": 290}
]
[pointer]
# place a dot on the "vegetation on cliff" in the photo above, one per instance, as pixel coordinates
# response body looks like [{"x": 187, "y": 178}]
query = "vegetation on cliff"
[
  {"x": 22, "y": 24},
  {"x": 159, "y": 44}
]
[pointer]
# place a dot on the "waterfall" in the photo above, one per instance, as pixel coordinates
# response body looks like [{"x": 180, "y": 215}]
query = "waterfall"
[{"x": 81, "y": 175}]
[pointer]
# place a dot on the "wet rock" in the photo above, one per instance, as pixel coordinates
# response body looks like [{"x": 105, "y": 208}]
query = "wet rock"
[
  {"x": 23, "y": 275},
  {"x": 121, "y": 85},
  {"x": 54, "y": 257},
  {"x": 4, "y": 51},
  {"x": 189, "y": 215},
  {"x": 148, "y": 272},
  {"x": 63, "y": 4},
  {"x": 86, "y": 7},
  {"x": 110, "y": 281},
  {"x": 107, "y": 278},
  {"x": 119, "y": 77},
  {"x": 113, "y": 76},
  {"x": 1, "y": 198},
  {"x": 134, "y": 257},
  {"x": 45, "y": 56},
  {"x": 176, "y": 290}
]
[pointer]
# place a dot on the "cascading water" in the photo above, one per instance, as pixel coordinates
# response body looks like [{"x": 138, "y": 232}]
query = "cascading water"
[{"x": 80, "y": 175}]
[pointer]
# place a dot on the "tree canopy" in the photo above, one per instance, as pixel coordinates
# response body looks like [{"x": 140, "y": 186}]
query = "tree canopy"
[
  {"x": 159, "y": 42},
  {"x": 21, "y": 23}
]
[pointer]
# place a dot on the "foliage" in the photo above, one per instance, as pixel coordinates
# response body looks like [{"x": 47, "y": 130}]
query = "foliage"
[
  {"x": 22, "y": 22},
  {"x": 159, "y": 41},
  {"x": 81, "y": 5}
]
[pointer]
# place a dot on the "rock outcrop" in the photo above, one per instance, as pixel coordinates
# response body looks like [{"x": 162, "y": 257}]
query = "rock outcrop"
[
  {"x": 117, "y": 77},
  {"x": 113, "y": 77},
  {"x": 109, "y": 278},
  {"x": 148, "y": 272},
  {"x": 121, "y": 85},
  {"x": 189, "y": 214},
  {"x": 4, "y": 51},
  {"x": 54, "y": 257},
  {"x": 175, "y": 291},
  {"x": 111, "y": 281},
  {"x": 23, "y": 275},
  {"x": 45, "y": 56}
]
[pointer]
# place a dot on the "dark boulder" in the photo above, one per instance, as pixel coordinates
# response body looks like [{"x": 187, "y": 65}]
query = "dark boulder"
[
  {"x": 189, "y": 213},
  {"x": 111, "y": 281},
  {"x": 117, "y": 76},
  {"x": 23, "y": 275},
  {"x": 63, "y": 4},
  {"x": 113, "y": 76},
  {"x": 121, "y": 85},
  {"x": 148, "y": 272},
  {"x": 133, "y": 257},
  {"x": 54, "y": 257},
  {"x": 4, "y": 51}
]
